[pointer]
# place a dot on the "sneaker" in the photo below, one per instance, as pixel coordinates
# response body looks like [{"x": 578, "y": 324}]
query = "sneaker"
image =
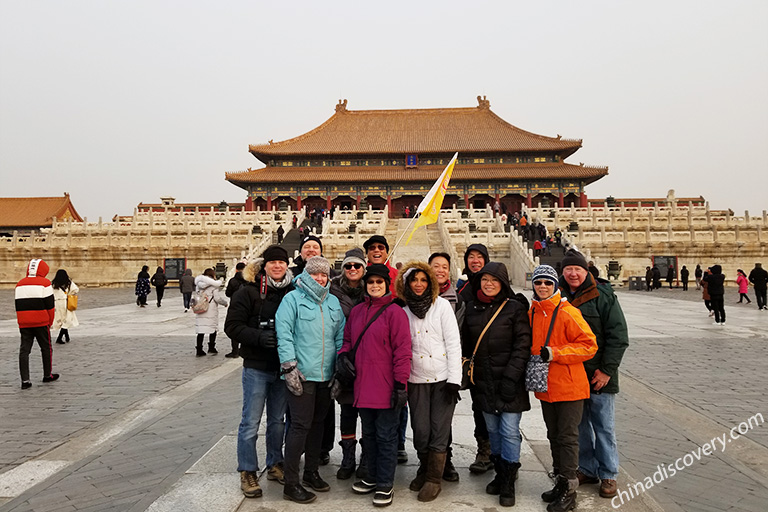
[
  {"x": 715, "y": 323},
  {"x": 276, "y": 473},
  {"x": 298, "y": 494},
  {"x": 313, "y": 479},
  {"x": 363, "y": 487},
  {"x": 52, "y": 377},
  {"x": 608, "y": 488},
  {"x": 26, "y": 384},
  {"x": 249, "y": 484},
  {"x": 383, "y": 497}
]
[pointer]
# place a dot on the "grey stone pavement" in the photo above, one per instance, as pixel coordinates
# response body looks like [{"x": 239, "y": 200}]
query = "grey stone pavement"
[{"x": 136, "y": 422}]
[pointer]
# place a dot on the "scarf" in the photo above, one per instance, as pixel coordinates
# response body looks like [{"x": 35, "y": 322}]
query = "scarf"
[
  {"x": 280, "y": 284},
  {"x": 445, "y": 286},
  {"x": 353, "y": 293},
  {"x": 419, "y": 305}
]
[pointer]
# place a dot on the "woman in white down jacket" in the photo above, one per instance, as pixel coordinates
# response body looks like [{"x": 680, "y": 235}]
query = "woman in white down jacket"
[
  {"x": 208, "y": 322},
  {"x": 433, "y": 387}
]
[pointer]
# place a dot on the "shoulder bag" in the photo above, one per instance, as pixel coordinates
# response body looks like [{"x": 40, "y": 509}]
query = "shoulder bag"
[
  {"x": 537, "y": 370},
  {"x": 71, "y": 302},
  {"x": 345, "y": 362}
]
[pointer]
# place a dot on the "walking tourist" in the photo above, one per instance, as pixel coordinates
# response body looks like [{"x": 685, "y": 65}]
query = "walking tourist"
[
  {"x": 142, "y": 287},
  {"x": 562, "y": 338},
  {"x": 670, "y": 276},
  {"x": 35, "y": 313},
  {"x": 207, "y": 322},
  {"x": 648, "y": 279},
  {"x": 697, "y": 274},
  {"x": 716, "y": 287},
  {"x": 684, "y": 273},
  {"x": 433, "y": 386},
  {"x": 598, "y": 451},
  {"x": 759, "y": 279},
  {"x": 159, "y": 281},
  {"x": 187, "y": 287},
  {"x": 743, "y": 283},
  {"x": 251, "y": 322},
  {"x": 349, "y": 289},
  {"x": 377, "y": 341},
  {"x": 310, "y": 330},
  {"x": 497, "y": 335},
  {"x": 705, "y": 293},
  {"x": 65, "y": 317}
]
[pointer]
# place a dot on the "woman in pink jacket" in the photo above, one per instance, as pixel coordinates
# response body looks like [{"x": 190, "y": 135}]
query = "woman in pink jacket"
[
  {"x": 382, "y": 361},
  {"x": 743, "y": 282}
]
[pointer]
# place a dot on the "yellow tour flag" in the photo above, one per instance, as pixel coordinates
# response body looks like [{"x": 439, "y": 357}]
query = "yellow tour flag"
[{"x": 430, "y": 205}]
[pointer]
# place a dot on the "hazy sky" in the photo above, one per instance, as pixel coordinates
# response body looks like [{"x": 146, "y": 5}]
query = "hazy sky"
[{"x": 121, "y": 102}]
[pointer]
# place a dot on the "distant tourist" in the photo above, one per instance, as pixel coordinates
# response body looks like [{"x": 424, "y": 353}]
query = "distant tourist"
[
  {"x": 142, "y": 287},
  {"x": 280, "y": 233},
  {"x": 35, "y": 313},
  {"x": 186, "y": 287},
  {"x": 593, "y": 270},
  {"x": 208, "y": 321},
  {"x": 705, "y": 293},
  {"x": 159, "y": 281},
  {"x": 697, "y": 273},
  {"x": 759, "y": 279},
  {"x": 65, "y": 318},
  {"x": 716, "y": 287},
  {"x": 684, "y": 273},
  {"x": 743, "y": 282},
  {"x": 670, "y": 276},
  {"x": 648, "y": 279},
  {"x": 656, "y": 278}
]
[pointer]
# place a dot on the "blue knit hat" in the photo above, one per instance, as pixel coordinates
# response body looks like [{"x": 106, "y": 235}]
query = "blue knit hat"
[{"x": 545, "y": 272}]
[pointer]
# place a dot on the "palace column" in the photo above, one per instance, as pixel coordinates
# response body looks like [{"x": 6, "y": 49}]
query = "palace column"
[
  {"x": 389, "y": 203},
  {"x": 269, "y": 202},
  {"x": 249, "y": 203},
  {"x": 560, "y": 199},
  {"x": 328, "y": 203},
  {"x": 528, "y": 200},
  {"x": 298, "y": 200},
  {"x": 583, "y": 202}
]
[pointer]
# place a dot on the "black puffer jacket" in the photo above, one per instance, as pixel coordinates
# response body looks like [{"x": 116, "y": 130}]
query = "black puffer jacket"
[
  {"x": 504, "y": 350},
  {"x": 247, "y": 309},
  {"x": 715, "y": 281}
]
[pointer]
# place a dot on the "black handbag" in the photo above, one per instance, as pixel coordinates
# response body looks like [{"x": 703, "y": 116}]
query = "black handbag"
[
  {"x": 345, "y": 362},
  {"x": 468, "y": 363}
]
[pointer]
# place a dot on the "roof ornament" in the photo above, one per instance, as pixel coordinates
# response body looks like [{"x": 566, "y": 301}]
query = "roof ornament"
[
  {"x": 342, "y": 106},
  {"x": 271, "y": 141},
  {"x": 483, "y": 103}
]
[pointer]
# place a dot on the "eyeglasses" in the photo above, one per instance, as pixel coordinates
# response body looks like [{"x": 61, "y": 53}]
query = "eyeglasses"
[
  {"x": 350, "y": 266},
  {"x": 374, "y": 281},
  {"x": 377, "y": 247},
  {"x": 543, "y": 283}
]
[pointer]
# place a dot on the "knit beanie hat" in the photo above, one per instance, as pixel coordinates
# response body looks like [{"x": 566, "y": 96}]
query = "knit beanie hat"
[
  {"x": 574, "y": 257},
  {"x": 376, "y": 239},
  {"x": 318, "y": 265},
  {"x": 355, "y": 255},
  {"x": 308, "y": 238},
  {"x": 544, "y": 272},
  {"x": 377, "y": 269},
  {"x": 275, "y": 253}
]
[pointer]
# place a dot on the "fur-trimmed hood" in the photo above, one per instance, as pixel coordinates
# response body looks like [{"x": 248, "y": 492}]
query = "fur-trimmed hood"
[
  {"x": 252, "y": 269},
  {"x": 424, "y": 267}
]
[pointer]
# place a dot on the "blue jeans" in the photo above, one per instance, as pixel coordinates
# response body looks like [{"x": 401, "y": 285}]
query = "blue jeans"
[
  {"x": 402, "y": 428},
  {"x": 504, "y": 434},
  {"x": 380, "y": 435},
  {"x": 260, "y": 387},
  {"x": 598, "y": 451}
]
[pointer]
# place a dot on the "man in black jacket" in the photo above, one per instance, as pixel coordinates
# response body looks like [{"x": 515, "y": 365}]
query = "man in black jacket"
[
  {"x": 759, "y": 279},
  {"x": 251, "y": 322},
  {"x": 233, "y": 285}
]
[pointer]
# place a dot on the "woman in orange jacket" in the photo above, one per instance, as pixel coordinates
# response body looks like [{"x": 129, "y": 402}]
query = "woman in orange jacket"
[{"x": 563, "y": 338}]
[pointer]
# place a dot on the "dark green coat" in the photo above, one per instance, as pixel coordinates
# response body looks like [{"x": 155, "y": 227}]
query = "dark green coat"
[{"x": 600, "y": 308}]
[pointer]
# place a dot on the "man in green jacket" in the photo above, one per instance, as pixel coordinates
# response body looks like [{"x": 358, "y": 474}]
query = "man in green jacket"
[{"x": 598, "y": 451}]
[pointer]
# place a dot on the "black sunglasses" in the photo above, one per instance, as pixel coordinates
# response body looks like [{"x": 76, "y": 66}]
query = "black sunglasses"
[
  {"x": 350, "y": 266},
  {"x": 542, "y": 283}
]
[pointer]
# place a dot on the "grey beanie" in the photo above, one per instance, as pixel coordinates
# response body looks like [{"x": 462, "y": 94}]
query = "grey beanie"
[
  {"x": 545, "y": 272},
  {"x": 355, "y": 255},
  {"x": 318, "y": 265}
]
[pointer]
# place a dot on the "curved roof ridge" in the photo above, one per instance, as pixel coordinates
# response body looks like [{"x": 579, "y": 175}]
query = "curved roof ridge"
[{"x": 498, "y": 118}]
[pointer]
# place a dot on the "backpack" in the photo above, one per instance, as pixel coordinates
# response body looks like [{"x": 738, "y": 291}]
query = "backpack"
[{"x": 199, "y": 302}]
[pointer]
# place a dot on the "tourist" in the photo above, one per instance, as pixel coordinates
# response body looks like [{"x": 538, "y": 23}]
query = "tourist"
[
  {"x": 310, "y": 246},
  {"x": 684, "y": 273},
  {"x": 648, "y": 279},
  {"x": 656, "y": 278},
  {"x": 598, "y": 451},
  {"x": 187, "y": 287},
  {"x": 537, "y": 248},
  {"x": 697, "y": 274},
  {"x": 159, "y": 281},
  {"x": 64, "y": 318},
  {"x": 433, "y": 386},
  {"x": 207, "y": 322},
  {"x": 670, "y": 276},
  {"x": 310, "y": 330},
  {"x": 349, "y": 289},
  {"x": 475, "y": 258},
  {"x": 280, "y": 233},
  {"x": 251, "y": 322},
  {"x": 377, "y": 251},
  {"x": 234, "y": 284},
  {"x": 142, "y": 287},
  {"x": 705, "y": 293},
  {"x": 716, "y": 287},
  {"x": 379, "y": 332},
  {"x": 743, "y": 283},
  {"x": 563, "y": 338},
  {"x": 759, "y": 279},
  {"x": 500, "y": 356},
  {"x": 441, "y": 264},
  {"x": 593, "y": 270},
  {"x": 34, "y": 313}
]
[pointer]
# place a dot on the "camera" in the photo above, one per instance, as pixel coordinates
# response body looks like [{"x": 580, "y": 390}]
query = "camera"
[{"x": 267, "y": 324}]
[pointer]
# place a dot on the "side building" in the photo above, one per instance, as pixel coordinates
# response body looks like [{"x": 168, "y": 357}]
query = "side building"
[{"x": 391, "y": 158}]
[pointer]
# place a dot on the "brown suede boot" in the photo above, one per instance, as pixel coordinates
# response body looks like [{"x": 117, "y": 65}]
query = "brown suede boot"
[
  {"x": 431, "y": 488},
  {"x": 483, "y": 458}
]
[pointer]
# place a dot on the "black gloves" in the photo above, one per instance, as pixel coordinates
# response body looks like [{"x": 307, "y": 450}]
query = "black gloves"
[
  {"x": 452, "y": 393},
  {"x": 399, "y": 396},
  {"x": 267, "y": 338},
  {"x": 507, "y": 390},
  {"x": 546, "y": 354}
]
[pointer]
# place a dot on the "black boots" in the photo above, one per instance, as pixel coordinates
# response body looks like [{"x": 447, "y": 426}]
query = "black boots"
[
  {"x": 347, "y": 467},
  {"x": 449, "y": 472},
  {"x": 508, "y": 477},
  {"x": 561, "y": 497},
  {"x": 482, "y": 460},
  {"x": 494, "y": 486},
  {"x": 561, "y": 486},
  {"x": 298, "y": 494},
  {"x": 200, "y": 351},
  {"x": 212, "y": 348}
]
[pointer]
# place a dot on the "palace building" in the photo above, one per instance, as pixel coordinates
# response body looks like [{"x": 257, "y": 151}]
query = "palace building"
[{"x": 391, "y": 158}]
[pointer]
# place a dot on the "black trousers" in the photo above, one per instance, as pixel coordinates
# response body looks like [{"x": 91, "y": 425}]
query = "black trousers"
[
  {"x": 305, "y": 433},
  {"x": 760, "y": 296},
  {"x": 28, "y": 337},
  {"x": 562, "y": 420},
  {"x": 160, "y": 290},
  {"x": 718, "y": 306}
]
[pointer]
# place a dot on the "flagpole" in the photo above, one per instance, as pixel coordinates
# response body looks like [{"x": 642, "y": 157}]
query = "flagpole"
[{"x": 401, "y": 238}]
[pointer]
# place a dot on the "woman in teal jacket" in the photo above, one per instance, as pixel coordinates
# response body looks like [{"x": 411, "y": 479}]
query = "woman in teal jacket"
[{"x": 310, "y": 330}]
